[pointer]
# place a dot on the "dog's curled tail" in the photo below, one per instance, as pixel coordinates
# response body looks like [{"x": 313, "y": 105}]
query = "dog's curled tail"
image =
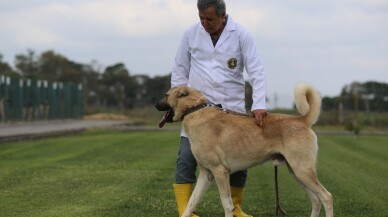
[{"x": 308, "y": 102}]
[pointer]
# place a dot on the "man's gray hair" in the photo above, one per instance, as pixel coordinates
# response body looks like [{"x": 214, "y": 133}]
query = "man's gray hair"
[{"x": 219, "y": 5}]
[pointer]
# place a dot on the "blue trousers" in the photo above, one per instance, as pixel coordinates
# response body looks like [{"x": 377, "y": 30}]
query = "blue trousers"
[{"x": 186, "y": 166}]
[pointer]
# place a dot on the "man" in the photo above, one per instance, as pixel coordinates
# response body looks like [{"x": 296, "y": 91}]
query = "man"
[{"x": 211, "y": 58}]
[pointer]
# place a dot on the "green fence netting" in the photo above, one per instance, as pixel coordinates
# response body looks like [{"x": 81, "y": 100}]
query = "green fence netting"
[{"x": 30, "y": 99}]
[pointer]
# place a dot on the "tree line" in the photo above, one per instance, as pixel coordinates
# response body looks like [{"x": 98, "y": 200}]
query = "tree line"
[
  {"x": 112, "y": 86},
  {"x": 370, "y": 96},
  {"x": 115, "y": 86}
]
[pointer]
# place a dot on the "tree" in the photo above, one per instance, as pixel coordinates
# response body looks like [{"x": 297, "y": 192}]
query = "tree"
[
  {"x": 118, "y": 86},
  {"x": 91, "y": 84},
  {"x": 6, "y": 69},
  {"x": 376, "y": 96},
  {"x": 27, "y": 64},
  {"x": 55, "y": 67},
  {"x": 49, "y": 66},
  {"x": 368, "y": 96},
  {"x": 156, "y": 88},
  {"x": 329, "y": 103}
]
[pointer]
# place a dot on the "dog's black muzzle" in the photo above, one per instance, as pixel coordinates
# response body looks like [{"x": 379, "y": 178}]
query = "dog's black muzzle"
[{"x": 167, "y": 117}]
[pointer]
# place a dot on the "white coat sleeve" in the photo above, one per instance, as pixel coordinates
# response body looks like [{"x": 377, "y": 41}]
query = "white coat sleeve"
[
  {"x": 181, "y": 67},
  {"x": 255, "y": 71}
]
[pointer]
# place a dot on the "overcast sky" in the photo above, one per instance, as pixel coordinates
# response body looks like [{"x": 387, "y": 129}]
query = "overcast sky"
[{"x": 327, "y": 43}]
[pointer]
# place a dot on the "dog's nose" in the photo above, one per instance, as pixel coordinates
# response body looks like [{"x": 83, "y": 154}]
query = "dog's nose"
[{"x": 161, "y": 107}]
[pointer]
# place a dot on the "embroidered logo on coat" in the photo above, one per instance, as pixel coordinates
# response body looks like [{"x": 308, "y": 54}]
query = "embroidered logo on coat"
[{"x": 232, "y": 63}]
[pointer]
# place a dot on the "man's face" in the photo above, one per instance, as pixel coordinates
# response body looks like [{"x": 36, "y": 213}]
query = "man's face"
[{"x": 210, "y": 20}]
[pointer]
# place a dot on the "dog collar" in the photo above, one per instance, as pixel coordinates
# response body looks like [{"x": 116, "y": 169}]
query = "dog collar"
[{"x": 200, "y": 106}]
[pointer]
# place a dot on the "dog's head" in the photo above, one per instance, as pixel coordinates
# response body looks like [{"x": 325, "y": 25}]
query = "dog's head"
[{"x": 177, "y": 101}]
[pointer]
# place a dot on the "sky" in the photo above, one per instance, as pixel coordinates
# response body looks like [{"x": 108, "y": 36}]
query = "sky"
[{"x": 326, "y": 43}]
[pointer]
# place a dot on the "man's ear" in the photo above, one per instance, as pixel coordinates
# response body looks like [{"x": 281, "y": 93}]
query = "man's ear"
[{"x": 181, "y": 93}]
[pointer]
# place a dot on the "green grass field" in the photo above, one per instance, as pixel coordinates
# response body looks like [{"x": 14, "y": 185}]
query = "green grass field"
[{"x": 111, "y": 173}]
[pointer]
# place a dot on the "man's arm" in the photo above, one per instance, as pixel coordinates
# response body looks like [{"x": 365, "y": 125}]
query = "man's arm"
[
  {"x": 256, "y": 77},
  {"x": 181, "y": 68}
]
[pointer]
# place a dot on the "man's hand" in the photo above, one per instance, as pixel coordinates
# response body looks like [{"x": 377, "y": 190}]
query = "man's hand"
[{"x": 259, "y": 115}]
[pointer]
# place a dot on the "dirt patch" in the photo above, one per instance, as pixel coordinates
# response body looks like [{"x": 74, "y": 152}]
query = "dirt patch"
[{"x": 105, "y": 116}]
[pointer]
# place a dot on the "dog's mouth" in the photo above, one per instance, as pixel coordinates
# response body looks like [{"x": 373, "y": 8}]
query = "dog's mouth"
[{"x": 167, "y": 117}]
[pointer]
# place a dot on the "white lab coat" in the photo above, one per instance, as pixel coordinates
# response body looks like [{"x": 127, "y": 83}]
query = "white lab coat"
[{"x": 204, "y": 67}]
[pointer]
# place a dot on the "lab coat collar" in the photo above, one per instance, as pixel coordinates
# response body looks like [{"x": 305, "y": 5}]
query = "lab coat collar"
[{"x": 229, "y": 28}]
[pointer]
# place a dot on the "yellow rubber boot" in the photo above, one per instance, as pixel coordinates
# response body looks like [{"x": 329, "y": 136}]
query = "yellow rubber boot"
[
  {"x": 237, "y": 196},
  {"x": 182, "y": 196}
]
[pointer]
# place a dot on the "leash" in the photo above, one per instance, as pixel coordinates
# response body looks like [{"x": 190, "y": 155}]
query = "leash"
[{"x": 212, "y": 105}]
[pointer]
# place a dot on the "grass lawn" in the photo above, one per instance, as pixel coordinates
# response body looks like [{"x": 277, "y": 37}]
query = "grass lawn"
[{"x": 111, "y": 173}]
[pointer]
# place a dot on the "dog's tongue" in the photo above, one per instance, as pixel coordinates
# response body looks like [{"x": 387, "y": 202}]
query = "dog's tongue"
[{"x": 163, "y": 120}]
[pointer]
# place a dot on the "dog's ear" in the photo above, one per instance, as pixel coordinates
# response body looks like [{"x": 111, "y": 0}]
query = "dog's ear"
[{"x": 181, "y": 93}]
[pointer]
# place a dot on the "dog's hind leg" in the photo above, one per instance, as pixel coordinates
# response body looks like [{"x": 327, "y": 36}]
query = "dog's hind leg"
[
  {"x": 221, "y": 175},
  {"x": 307, "y": 177},
  {"x": 316, "y": 203},
  {"x": 205, "y": 178}
]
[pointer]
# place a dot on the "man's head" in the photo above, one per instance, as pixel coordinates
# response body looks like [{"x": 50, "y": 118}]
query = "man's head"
[{"x": 212, "y": 14}]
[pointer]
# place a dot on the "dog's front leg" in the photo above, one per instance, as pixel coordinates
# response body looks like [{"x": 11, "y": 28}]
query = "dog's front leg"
[
  {"x": 221, "y": 175},
  {"x": 205, "y": 178}
]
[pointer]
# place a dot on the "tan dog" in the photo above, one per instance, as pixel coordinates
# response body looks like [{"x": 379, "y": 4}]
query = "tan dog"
[{"x": 224, "y": 142}]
